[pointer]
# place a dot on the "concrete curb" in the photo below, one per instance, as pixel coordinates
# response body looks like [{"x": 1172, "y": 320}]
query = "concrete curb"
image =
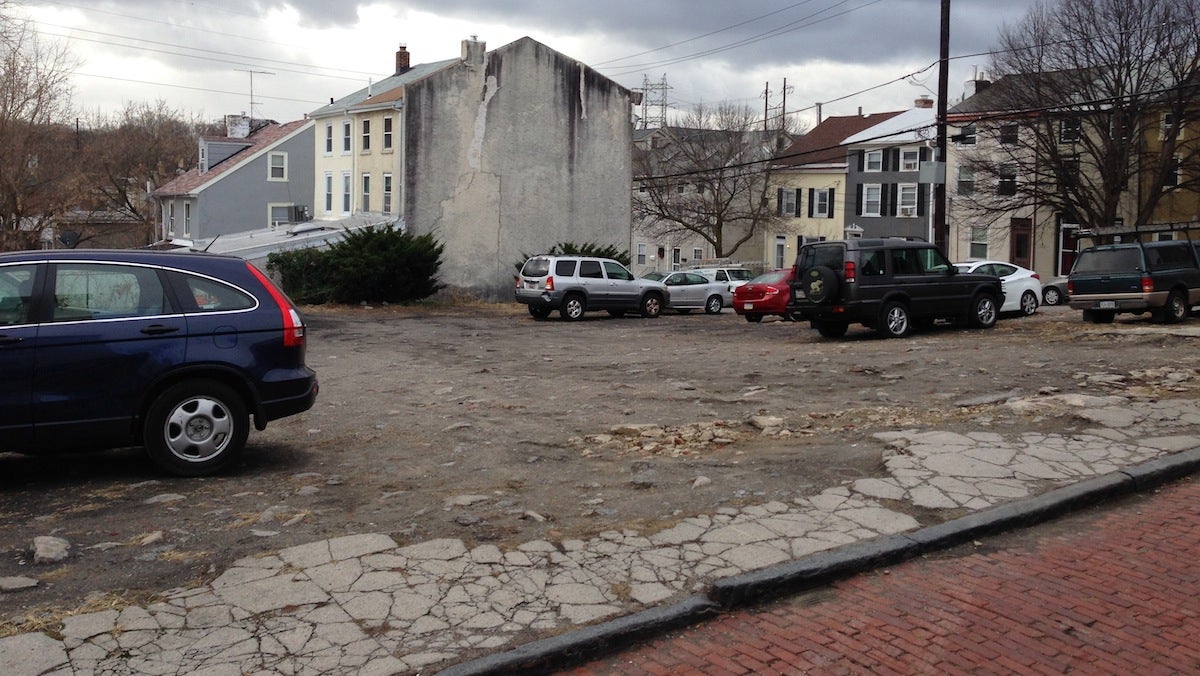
[{"x": 825, "y": 567}]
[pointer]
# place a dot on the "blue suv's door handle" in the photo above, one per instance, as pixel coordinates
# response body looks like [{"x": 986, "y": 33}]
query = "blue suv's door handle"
[
  {"x": 158, "y": 329},
  {"x": 9, "y": 340}
]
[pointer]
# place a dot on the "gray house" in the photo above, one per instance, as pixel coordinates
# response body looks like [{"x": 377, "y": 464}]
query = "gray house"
[
  {"x": 495, "y": 153},
  {"x": 886, "y": 197},
  {"x": 256, "y": 178}
]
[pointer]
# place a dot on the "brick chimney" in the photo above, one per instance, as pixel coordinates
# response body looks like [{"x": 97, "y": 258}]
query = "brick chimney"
[
  {"x": 923, "y": 102},
  {"x": 402, "y": 60}
]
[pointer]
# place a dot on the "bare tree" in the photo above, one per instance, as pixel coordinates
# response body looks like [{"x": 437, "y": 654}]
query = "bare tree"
[
  {"x": 708, "y": 178},
  {"x": 1086, "y": 115},
  {"x": 38, "y": 173}
]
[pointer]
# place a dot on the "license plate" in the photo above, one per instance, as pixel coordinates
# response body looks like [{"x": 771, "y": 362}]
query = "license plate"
[
  {"x": 1108, "y": 305},
  {"x": 800, "y": 293},
  {"x": 749, "y": 306}
]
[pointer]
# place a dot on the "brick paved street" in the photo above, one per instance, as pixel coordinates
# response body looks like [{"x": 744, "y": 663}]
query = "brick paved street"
[{"x": 1112, "y": 590}]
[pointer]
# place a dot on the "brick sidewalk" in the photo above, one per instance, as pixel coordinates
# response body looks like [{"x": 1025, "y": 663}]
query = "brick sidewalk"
[{"x": 1113, "y": 594}]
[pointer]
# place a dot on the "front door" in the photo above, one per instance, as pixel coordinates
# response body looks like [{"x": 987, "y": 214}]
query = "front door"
[
  {"x": 18, "y": 336},
  {"x": 1021, "y": 243}
]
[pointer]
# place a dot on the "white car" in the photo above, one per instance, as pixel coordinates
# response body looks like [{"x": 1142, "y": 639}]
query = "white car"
[
  {"x": 733, "y": 276},
  {"x": 1022, "y": 287}
]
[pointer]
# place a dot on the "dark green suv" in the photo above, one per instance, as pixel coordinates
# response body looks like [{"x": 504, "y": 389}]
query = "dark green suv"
[{"x": 891, "y": 285}]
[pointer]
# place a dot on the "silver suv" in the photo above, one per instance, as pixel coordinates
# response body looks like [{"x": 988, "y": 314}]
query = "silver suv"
[{"x": 575, "y": 284}]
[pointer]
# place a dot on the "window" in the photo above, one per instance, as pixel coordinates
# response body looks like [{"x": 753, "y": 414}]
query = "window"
[
  {"x": 328, "y": 192},
  {"x": 873, "y": 161},
  {"x": 676, "y": 257},
  {"x": 615, "y": 270},
  {"x": 908, "y": 200},
  {"x": 277, "y": 167},
  {"x": 1070, "y": 170},
  {"x": 94, "y": 291},
  {"x": 1069, "y": 130},
  {"x": 171, "y": 217},
  {"x": 187, "y": 219},
  {"x": 1168, "y": 125},
  {"x": 590, "y": 270},
  {"x": 16, "y": 290},
  {"x": 345, "y": 192},
  {"x": 697, "y": 254},
  {"x": 821, "y": 203},
  {"x": 346, "y": 136},
  {"x": 329, "y": 139},
  {"x": 979, "y": 242},
  {"x": 387, "y": 133},
  {"x": 872, "y": 199},
  {"x": 1008, "y": 180},
  {"x": 1008, "y": 134},
  {"x": 387, "y": 193},
  {"x": 966, "y": 181},
  {"x": 211, "y": 295},
  {"x": 641, "y": 253},
  {"x": 366, "y": 135},
  {"x": 910, "y": 160},
  {"x": 966, "y": 136},
  {"x": 366, "y": 193},
  {"x": 1173, "y": 176},
  {"x": 780, "y": 250},
  {"x": 279, "y": 213},
  {"x": 787, "y": 202}
]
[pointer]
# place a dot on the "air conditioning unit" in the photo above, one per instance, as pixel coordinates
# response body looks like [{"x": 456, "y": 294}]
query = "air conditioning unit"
[{"x": 908, "y": 211}]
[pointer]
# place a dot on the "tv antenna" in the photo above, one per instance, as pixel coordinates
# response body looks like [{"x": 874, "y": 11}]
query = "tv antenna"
[{"x": 252, "y": 74}]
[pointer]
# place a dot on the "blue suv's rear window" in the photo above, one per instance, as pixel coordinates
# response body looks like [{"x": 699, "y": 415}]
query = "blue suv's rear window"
[{"x": 213, "y": 296}]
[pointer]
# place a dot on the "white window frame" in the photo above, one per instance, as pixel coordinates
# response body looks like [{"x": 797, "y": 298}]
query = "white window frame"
[
  {"x": 787, "y": 205},
  {"x": 347, "y": 134},
  {"x": 876, "y": 188},
  {"x": 328, "y": 139},
  {"x": 171, "y": 217},
  {"x": 697, "y": 254},
  {"x": 906, "y": 200},
  {"x": 387, "y": 133},
  {"x": 676, "y": 258},
  {"x": 272, "y": 206},
  {"x": 329, "y": 192},
  {"x": 641, "y": 253},
  {"x": 366, "y": 136},
  {"x": 282, "y": 166},
  {"x": 780, "y": 250},
  {"x": 821, "y": 203},
  {"x": 347, "y": 192},
  {"x": 910, "y": 159},
  {"x": 387, "y": 192},
  {"x": 979, "y": 242},
  {"x": 365, "y": 183},
  {"x": 187, "y": 219},
  {"x": 873, "y": 161}
]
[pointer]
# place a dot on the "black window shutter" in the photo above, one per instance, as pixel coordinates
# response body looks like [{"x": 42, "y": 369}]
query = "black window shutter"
[
  {"x": 922, "y": 198},
  {"x": 923, "y": 154},
  {"x": 811, "y": 193},
  {"x": 798, "y": 212},
  {"x": 861, "y": 164},
  {"x": 895, "y": 159},
  {"x": 829, "y": 213},
  {"x": 858, "y": 197},
  {"x": 779, "y": 202}
]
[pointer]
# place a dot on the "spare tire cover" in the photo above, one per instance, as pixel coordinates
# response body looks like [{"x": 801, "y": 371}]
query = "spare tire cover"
[{"x": 820, "y": 284}]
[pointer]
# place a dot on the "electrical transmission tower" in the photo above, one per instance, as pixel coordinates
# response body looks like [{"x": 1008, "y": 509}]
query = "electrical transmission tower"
[{"x": 654, "y": 103}]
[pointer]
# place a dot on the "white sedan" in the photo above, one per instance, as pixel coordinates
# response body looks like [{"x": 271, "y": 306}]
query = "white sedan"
[
  {"x": 691, "y": 291},
  {"x": 1022, "y": 287}
]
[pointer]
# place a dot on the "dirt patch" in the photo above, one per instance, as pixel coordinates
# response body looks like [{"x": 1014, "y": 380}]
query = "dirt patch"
[{"x": 477, "y": 422}]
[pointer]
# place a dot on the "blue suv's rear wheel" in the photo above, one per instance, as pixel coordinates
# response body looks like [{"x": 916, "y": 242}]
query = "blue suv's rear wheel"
[{"x": 196, "y": 427}]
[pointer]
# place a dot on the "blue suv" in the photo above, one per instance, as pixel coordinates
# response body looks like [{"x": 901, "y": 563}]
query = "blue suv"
[{"x": 171, "y": 351}]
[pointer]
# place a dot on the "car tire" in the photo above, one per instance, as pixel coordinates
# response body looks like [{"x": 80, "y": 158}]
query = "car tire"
[
  {"x": 820, "y": 284},
  {"x": 713, "y": 305},
  {"x": 895, "y": 321},
  {"x": 651, "y": 305},
  {"x": 573, "y": 307},
  {"x": 831, "y": 329},
  {"x": 1029, "y": 303},
  {"x": 1051, "y": 296},
  {"x": 754, "y": 318},
  {"x": 1176, "y": 308},
  {"x": 539, "y": 311},
  {"x": 196, "y": 428},
  {"x": 984, "y": 311}
]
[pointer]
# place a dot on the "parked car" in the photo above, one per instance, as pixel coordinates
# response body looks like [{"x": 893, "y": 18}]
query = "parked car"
[
  {"x": 1162, "y": 278},
  {"x": 1022, "y": 287},
  {"x": 1054, "y": 291},
  {"x": 766, "y": 294},
  {"x": 574, "y": 285},
  {"x": 170, "y": 351},
  {"x": 734, "y": 276},
  {"x": 891, "y": 285},
  {"x": 690, "y": 291}
]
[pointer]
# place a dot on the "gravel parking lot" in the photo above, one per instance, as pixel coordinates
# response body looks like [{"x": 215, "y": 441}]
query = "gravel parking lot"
[{"x": 478, "y": 422}]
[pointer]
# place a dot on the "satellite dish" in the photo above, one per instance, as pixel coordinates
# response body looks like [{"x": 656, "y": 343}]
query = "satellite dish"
[{"x": 69, "y": 238}]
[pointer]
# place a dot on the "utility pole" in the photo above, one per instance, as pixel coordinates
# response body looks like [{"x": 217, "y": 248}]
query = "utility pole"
[{"x": 941, "y": 233}]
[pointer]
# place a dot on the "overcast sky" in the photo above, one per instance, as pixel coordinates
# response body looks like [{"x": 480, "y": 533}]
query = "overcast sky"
[{"x": 203, "y": 56}]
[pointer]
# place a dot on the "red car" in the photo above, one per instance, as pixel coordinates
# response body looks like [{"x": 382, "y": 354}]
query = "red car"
[{"x": 766, "y": 294}]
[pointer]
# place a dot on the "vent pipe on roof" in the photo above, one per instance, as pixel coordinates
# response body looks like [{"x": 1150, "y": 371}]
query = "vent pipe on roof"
[{"x": 923, "y": 102}]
